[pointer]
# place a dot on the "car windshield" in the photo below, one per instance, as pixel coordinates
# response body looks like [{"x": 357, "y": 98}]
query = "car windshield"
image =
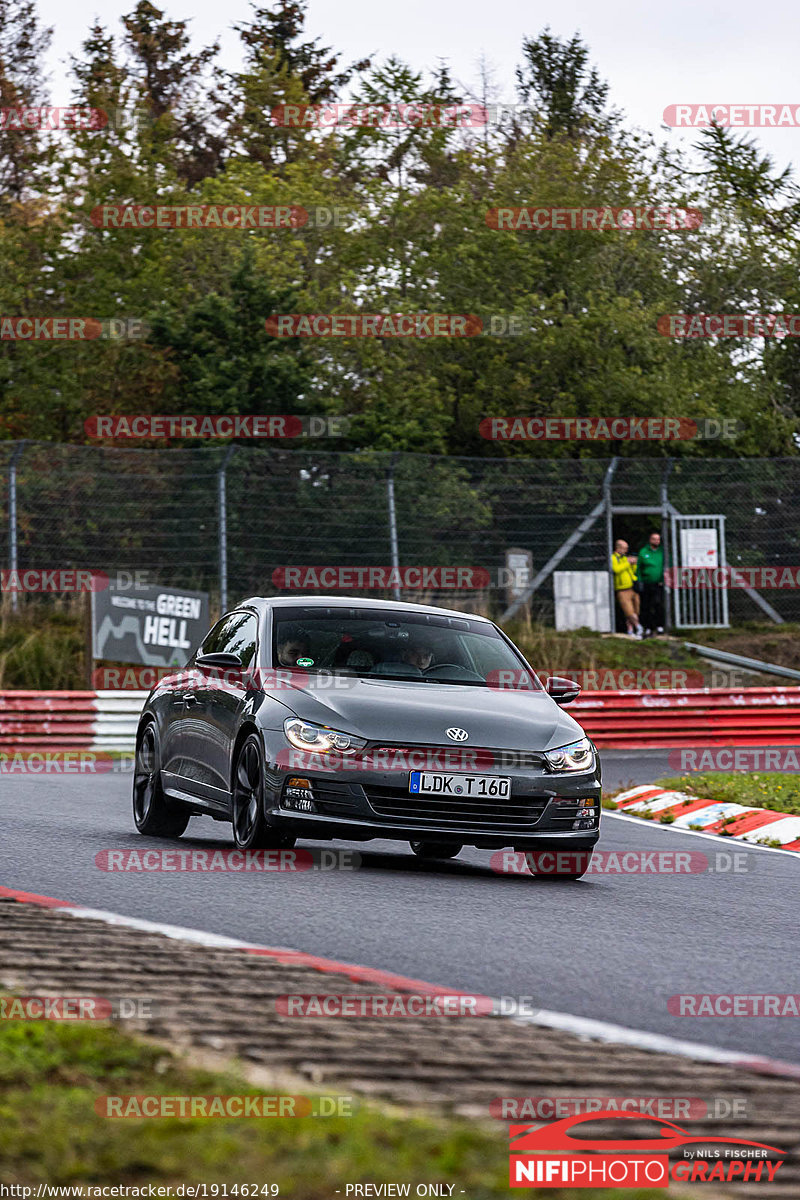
[{"x": 385, "y": 644}]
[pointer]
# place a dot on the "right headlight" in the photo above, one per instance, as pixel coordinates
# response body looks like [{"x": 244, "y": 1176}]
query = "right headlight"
[
  {"x": 577, "y": 756},
  {"x": 305, "y": 735}
]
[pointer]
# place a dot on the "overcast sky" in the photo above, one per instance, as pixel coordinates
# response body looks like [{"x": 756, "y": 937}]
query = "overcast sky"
[{"x": 652, "y": 54}]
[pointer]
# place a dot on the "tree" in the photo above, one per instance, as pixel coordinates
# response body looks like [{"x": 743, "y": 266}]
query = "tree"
[
  {"x": 556, "y": 75},
  {"x": 280, "y": 69},
  {"x": 224, "y": 359},
  {"x": 169, "y": 83}
]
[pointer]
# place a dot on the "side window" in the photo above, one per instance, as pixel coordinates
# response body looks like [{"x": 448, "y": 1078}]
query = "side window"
[
  {"x": 239, "y": 637},
  {"x": 234, "y": 634},
  {"x": 211, "y": 643}
]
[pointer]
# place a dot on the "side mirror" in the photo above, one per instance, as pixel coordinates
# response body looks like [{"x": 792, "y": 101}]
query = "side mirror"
[
  {"x": 563, "y": 691},
  {"x": 221, "y": 661}
]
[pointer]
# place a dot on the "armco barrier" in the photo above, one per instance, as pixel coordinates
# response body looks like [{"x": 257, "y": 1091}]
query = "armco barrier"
[
  {"x": 69, "y": 720},
  {"x": 691, "y": 717},
  {"x": 614, "y": 720}
]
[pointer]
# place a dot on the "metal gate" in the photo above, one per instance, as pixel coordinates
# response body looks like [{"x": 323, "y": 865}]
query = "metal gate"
[{"x": 699, "y": 541}]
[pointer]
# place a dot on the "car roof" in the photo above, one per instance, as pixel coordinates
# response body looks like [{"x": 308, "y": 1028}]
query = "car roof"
[{"x": 261, "y": 603}]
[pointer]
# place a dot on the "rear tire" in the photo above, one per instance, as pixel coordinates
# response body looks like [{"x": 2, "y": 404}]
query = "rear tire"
[
  {"x": 251, "y": 831},
  {"x": 429, "y": 850},
  {"x": 154, "y": 814}
]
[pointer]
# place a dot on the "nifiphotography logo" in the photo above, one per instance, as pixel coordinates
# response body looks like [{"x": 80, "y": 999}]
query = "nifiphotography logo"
[{"x": 554, "y": 1155}]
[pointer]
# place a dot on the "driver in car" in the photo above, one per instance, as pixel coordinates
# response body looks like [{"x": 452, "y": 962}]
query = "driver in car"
[
  {"x": 417, "y": 654},
  {"x": 292, "y": 646}
]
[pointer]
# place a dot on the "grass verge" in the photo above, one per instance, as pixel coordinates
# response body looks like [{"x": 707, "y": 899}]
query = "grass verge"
[
  {"x": 42, "y": 647},
  {"x": 51, "y": 1074},
  {"x": 762, "y": 789}
]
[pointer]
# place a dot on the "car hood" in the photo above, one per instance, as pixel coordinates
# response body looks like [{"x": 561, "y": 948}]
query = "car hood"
[{"x": 396, "y": 712}]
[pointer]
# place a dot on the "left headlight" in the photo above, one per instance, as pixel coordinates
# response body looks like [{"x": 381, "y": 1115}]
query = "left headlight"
[
  {"x": 577, "y": 756},
  {"x": 305, "y": 735}
]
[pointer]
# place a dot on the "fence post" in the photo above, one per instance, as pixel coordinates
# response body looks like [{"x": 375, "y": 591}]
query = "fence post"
[
  {"x": 393, "y": 523},
  {"x": 665, "y": 538},
  {"x": 222, "y": 508},
  {"x": 13, "y": 560},
  {"x": 609, "y": 507}
]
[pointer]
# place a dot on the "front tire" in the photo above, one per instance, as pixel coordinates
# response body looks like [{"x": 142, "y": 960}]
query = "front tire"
[
  {"x": 429, "y": 850},
  {"x": 154, "y": 815},
  {"x": 251, "y": 830}
]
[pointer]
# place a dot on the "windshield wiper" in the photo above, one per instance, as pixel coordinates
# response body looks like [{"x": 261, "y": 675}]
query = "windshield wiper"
[{"x": 406, "y": 678}]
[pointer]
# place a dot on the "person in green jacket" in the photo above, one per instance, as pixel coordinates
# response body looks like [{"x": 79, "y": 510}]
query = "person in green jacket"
[{"x": 650, "y": 566}]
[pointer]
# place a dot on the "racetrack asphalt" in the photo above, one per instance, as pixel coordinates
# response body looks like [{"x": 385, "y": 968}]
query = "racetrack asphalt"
[{"x": 612, "y": 947}]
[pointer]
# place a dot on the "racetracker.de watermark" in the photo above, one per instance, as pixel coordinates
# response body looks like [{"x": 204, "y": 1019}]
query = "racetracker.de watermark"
[
  {"x": 438, "y": 1004},
  {"x": 722, "y": 578},
  {"x": 729, "y": 325},
  {"x": 607, "y": 429},
  {"x": 87, "y": 579},
  {"x": 385, "y": 115},
  {"x": 613, "y": 862},
  {"x": 56, "y": 762},
  {"x": 46, "y": 117},
  {"x": 72, "y": 329},
  {"x": 600, "y": 220},
  {"x": 732, "y": 116},
  {"x": 731, "y": 1004},
  {"x": 395, "y": 325},
  {"x": 54, "y": 580},
  {"x": 221, "y": 216},
  {"x": 675, "y": 1108},
  {"x": 332, "y": 578},
  {"x": 157, "y": 1106},
  {"x": 604, "y": 679},
  {"x": 239, "y": 862},
  {"x": 784, "y": 759},
  {"x": 75, "y": 1008},
  {"x": 147, "y": 428}
]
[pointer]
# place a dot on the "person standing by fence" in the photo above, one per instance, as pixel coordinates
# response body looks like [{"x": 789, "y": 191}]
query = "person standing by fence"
[
  {"x": 650, "y": 568},
  {"x": 624, "y": 569}
]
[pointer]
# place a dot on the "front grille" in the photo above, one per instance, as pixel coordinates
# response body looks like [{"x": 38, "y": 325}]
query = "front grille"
[
  {"x": 335, "y": 798},
  {"x": 567, "y": 812},
  {"x": 472, "y": 812}
]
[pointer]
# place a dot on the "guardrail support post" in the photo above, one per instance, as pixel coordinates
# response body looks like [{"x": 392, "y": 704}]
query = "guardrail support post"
[
  {"x": 13, "y": 560},
  {"x": 396, "y": 594},
  {"x": 665, "y": 539},
  {"x": 222, "y": 508},
  {"x": 608, "y": 505}
]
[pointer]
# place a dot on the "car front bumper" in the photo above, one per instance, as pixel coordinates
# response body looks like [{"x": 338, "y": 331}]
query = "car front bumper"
[{"x": 543, "y": 809}]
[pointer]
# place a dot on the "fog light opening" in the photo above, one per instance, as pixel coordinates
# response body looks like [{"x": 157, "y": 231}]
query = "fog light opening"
[{"x": 298, "y": 795}]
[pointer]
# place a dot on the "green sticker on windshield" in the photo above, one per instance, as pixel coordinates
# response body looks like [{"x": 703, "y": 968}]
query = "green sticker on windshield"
[{"x": 305, "y": 662}]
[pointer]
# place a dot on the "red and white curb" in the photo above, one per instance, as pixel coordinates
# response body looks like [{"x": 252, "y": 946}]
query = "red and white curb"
[
  {"x": 739, "y": 821},
  {"x": 582, "y": 1027}
]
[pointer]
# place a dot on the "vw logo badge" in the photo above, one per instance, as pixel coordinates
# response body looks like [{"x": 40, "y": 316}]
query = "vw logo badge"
[{"x": 456, "y": 734}]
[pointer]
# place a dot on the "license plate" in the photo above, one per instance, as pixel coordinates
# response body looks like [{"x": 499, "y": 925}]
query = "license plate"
[{"x": 426, "y": 783}]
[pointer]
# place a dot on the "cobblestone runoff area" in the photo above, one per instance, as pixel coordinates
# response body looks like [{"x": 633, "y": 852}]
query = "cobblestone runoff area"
[{"x": 223, "y": 1002}]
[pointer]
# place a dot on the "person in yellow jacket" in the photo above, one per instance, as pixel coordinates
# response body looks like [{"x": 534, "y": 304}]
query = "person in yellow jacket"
[{"x": 624, "y": 569}]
